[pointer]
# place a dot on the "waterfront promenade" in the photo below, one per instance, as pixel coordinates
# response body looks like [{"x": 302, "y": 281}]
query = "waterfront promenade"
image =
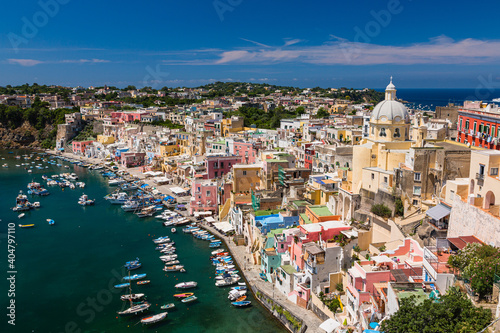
[{"x": 251, "y": 273}]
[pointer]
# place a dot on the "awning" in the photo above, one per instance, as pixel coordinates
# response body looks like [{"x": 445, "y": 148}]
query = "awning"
[
  {"x": 330, "y": 325},
  {"x": 438, "y": 212},
  {"x": 210, "y": 219},
  {"x": 224, "y": 227},
  {"x": 177, "y": 190}
]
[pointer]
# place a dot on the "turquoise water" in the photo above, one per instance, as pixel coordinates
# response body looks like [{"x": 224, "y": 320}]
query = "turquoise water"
[{"x": 65, "y": 272}]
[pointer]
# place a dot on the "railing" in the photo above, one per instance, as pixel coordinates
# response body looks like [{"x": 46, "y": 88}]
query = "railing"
[{"x": 479, "y": 176}]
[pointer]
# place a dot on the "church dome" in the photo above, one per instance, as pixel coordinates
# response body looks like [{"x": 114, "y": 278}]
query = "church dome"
[{"x": 390, "y": 110}]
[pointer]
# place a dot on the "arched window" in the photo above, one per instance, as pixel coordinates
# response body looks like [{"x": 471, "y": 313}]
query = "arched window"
[
  {"x": 382, "y": 132},
  {"x": 397, "y": 134}
]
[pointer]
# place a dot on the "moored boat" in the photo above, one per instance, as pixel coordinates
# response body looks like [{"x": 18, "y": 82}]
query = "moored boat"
[
  {"x": 167, "y": 306},
  {"x": 134, "y": 277},
  {"x": 135, "y": 309},
  {"x": 131, "y": 297},
  {"x": 154, "y": 319},
  {"x": 26, "y": 225},
  {"x": 189, "y": 299},
  {"x": 143, "y": 282},
  {"x": 186, "y": 285},
  {"x": 183, "y": 295},
  {"x": 122, "y": 285},
  {"x": 174, "y": 268},
  {"x": 241, "y": 304}
]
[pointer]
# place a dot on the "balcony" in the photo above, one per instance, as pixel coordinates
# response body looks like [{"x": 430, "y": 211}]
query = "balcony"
[{"x": 480, "y": 179}]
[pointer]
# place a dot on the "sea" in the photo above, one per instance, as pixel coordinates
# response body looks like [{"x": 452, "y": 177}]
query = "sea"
[
  {"x": 428, "y": 99},
  {"x": 65, "y": 273}
]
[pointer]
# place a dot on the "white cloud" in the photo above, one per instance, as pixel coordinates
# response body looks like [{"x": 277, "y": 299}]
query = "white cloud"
[
  {"x": 24, "y": 62},
  {"x": 438, "y": 50}
]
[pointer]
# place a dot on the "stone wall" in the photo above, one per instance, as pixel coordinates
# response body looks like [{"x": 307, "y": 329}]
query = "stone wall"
[
  {"x": 466, "y": 220},
  {"x": 280, "y": 312}
]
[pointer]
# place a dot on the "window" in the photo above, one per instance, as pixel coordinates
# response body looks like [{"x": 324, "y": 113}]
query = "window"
[
  {"x": 373, "y": 176},
  {"x": 215, "y": 175},
  {"x": 416, "y": 176},
  {"x": 396, "y": 133},
  {"x": 461, "y": 123},
  {"x": 382, "y": 132},
  {"x": 244, "y": 173},
  {"x": 208, "y": 193},
  {"x": 494, "y": 172},
  {"x": 222, "y": 164},
  {"x": 475, "y": 127},
  {"x": 414, "y": 202},
  {"x": 416, "y": 190},
  {"x": 385, "y": 180},
  {"x": 481, "y": 169},
  {"x": 466, "y": 124}
]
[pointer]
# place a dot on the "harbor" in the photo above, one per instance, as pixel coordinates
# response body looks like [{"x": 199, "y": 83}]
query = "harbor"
[{"x": 67, "y": 270}]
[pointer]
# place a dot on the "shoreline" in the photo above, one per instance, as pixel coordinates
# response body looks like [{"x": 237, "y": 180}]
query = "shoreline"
[
  {"x": 249, "y": 272},
  {"x": 251, "y": 276}
]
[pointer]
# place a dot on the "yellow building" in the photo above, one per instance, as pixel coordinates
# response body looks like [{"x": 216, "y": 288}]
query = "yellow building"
[
  {"x": 168, "y": 149},
  {"x": 385, "y": 148},
  {"x": 105, "y": 139},
  {"x": 231, "y": 125}
]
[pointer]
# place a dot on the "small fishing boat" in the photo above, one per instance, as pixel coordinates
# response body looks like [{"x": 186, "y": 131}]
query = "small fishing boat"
[
  {"x": 186, "y": 285},
  {"x": 235, "y": 294},
  {"x": 167, "y": 306},
  {"x": 36, "y": 204},
  {"x": 241, "y": 304},
  {"x": 241, "y": 299},
  {"x": 122, "y": 285},
  {"x": 50, "y": 221},
  {"x": 26, "y": 225},
  {"x": 143, "y": 282},
  {"x": 227, "y": 282},
  {"x": 189, "y": 299},
  {"x": 132, "y": 262},
  {"x": 21, "y": 215},
  {"x": 173, "y": 262},
  {"x": 154, "y": 319},
  {"x": 174, "y": 268},
  {"x": 183, "y": 295},
  {"x": 85, "y": 201},
  {"x": 131, "y": 267},
  {"x": 134, "y": 277},
  {"x": 131, "y": 297},
  {"x": 215, "y": 252}
]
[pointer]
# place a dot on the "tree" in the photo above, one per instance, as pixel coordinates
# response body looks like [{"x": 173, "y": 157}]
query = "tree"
[
  {"x": 454, "y": 313},
  {"x": 300, "y": 110},
  {"x": 399, "y": 208},
  {"x": 322, "y": 113},
  {"x": 381, "y": 210},
  {"x": 477, "y": 263}
]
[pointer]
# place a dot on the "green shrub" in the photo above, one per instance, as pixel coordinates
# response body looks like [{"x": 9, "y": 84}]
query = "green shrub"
[{"x": 381, "y": 210}]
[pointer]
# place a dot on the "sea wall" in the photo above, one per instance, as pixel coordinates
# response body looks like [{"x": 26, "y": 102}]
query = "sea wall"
[{"x": 281, "y": 312}]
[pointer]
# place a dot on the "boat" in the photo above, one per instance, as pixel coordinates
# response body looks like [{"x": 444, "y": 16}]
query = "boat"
[
  {"x": 122, "y": 285},
  {"x": 241, "y": 304},
  {"x": 189, "y": 299},
  {"x": 134, "y": 277},
  {"x": 235, "y": 294},
  {"x": 167, "y": 306},
  {"x": 168, "y": 257},
  {"x": 131, "y": 297},
  {"x": 263, "y": 276},
  {"x": 36, "y": 204},
  {"x": 215, "y": 244},
  {"x": 85, "y": 201},
  {"x": 154, "y": 319},
  {"x": 143, "y": 282},
  {"x": 132, "y": 262},
  {"x": 227, "y": 282},
  {"x": 22, "y": 203},
  {"x": 135, "y": 309},
  {"x": 146, "y": 212},
  {"x": 26, "y": 225},
  {"x": 174, "y": 268},
  {"x": 241, "y": 299},
  {"x": 173, "y": 230},
  {"x": 21, "y": 215},
  {"x": 51, "y": 222},
  {"x": 215, "y": 252},
  {"x": 115, "y": 181},
  {"x": 161, "y": 240},
  {"x": 117, "y": 198},
  {"x": 183, "y": 295},
  {"x": 131, "y": 267},
  {"x": 186, "y": 285},
  {"x": 173, "y": 262}
]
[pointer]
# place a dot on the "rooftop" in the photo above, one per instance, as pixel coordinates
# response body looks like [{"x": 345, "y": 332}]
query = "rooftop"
[
  {"x": 320, "y": 210},
  {"x": 288, "y": 269}
]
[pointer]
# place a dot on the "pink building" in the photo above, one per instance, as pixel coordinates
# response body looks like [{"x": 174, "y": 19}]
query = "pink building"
[
  {"x": 204, "y": 196},
  {"x": 129, "y": 160},
  {"x": 218, "y": 165},
  {"x": 401, "y": 265},
  {"x": 312, "y": 233},
  {"x": 80, "y": 146},
  {"x": 246, "y": 150}
]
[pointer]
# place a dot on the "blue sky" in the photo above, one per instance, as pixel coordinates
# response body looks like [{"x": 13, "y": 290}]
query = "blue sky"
[{"x": 423, "y": 44}]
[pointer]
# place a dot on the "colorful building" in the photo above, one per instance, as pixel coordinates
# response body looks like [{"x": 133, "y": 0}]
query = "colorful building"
[
  {"x": 479, "y": 125},
  {"x": 79, "y": 147},
  {"x": 204, "y": 196}
]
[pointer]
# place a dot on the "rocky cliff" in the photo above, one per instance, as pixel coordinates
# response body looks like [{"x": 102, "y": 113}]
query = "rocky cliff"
[{"x": 25, "y": 136}]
